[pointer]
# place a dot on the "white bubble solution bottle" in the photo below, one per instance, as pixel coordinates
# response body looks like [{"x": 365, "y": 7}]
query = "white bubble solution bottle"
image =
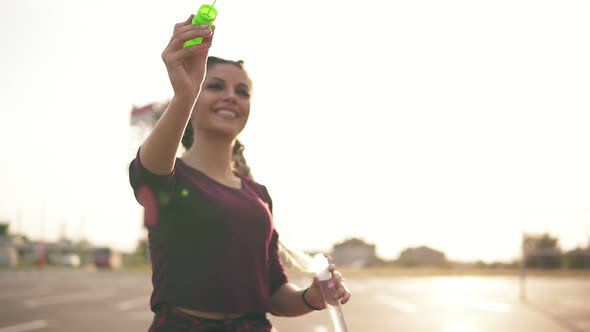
[{"x": 328, "y": 287}]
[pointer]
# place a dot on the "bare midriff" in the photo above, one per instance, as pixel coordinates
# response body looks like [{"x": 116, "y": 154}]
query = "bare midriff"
[{"x": 210, "y": 315}]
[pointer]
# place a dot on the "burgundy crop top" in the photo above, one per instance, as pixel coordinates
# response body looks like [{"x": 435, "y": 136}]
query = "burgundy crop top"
[{"x": 212, "y": 247}]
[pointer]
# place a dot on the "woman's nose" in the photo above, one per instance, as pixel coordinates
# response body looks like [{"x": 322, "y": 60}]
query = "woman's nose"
[{"x": 229, "y": 95}]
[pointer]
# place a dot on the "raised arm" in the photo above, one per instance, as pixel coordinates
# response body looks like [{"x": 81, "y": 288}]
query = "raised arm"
[{"x": 186, "y": 70}]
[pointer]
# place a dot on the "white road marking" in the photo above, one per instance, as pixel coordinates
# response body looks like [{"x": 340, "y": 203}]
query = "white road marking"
[
  {"x": 485, "y": 305},
  {"x": 140, "y": 302},
  {"x": 320, "y": 328},
  {"x": 405, "y": 307},
  {"x": 461, "y": 327},
  {"x": 68, "y": 298},
  {"x": 22, "y": 292},
  {"x": 145, "y": 316},
  {"x": 569, "y": 302},
  {"x": 30, "y": 326}
]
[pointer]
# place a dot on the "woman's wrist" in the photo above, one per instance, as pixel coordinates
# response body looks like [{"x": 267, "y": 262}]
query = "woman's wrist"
[
  {"x": 185, "y": 98},
  {"x": 307, "y": 302}
]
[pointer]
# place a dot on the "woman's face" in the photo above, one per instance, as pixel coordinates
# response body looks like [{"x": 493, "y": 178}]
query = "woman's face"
[{"x": 223, "y": 106}]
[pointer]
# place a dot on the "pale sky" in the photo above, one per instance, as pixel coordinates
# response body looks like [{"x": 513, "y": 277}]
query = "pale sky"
[{"x": 453, "y": 124}]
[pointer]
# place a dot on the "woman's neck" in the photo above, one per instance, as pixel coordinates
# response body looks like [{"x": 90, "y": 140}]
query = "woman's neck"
[{"x": 212, "y": 156}]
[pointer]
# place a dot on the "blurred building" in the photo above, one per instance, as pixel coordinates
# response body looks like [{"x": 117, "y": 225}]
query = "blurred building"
[
  {"x": 8, "y": 253},
  {"x": 147, "y": 115},
  {"x": 422, "y": 256},
  {"x": 107, "y": 258},
  {"x": 354, "y": 252}
]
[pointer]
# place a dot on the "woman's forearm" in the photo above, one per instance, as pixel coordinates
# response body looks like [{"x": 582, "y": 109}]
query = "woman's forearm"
[
  {"x": 158, "y": 152},
  {"x": 287, "y": 302}
]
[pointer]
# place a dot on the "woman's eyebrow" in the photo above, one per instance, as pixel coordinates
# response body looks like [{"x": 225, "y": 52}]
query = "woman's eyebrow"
[{"x": 240, "y": 85}]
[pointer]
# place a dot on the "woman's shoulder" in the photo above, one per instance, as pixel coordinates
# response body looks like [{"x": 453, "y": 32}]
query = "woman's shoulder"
[
  {"x": 258, "y": 187},
  {"x": 251, "y": 182}
]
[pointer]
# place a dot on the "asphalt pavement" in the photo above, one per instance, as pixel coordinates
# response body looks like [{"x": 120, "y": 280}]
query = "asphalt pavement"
[{"x": 65, "y": 300}]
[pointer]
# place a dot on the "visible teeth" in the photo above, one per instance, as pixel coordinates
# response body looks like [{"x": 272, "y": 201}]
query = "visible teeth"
[{"x": 227, "y": 113}]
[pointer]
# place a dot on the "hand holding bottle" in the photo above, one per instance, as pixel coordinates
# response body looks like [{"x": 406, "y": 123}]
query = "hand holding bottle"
[
  {"x": 334, "y": 285},
  {"x": 332, "y": 289}
]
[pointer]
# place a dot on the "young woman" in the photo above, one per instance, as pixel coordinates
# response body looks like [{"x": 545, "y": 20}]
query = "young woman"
[{"x": 214, "y": 249}]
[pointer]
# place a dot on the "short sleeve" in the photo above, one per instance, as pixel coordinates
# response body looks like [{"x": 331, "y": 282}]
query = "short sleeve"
[
  {"x": 266, "y": 196},
  {"x": 152, "y": 191},
  {"x": 278, "y": 275}
]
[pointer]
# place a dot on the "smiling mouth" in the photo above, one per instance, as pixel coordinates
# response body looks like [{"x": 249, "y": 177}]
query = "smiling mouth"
[{"x": 227, "y": 113}]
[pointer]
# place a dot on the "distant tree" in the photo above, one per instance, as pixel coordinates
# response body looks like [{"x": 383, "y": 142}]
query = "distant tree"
[
  {"x": 577, "y": 259},
  {"x": 542, "y": 251},
  {"x": 480, "y": 264},
  {"x": 4, "y": 228},
  {"x": 546, "y": 241},
  {"x": 142, "y": 249}
]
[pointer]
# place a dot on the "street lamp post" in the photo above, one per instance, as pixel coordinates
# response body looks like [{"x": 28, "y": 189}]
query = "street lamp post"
[{"x": 523, "y": 268}]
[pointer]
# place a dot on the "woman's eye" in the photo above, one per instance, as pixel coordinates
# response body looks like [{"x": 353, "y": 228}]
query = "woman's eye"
[
  {"x": 215, "y": 86},
  {"x": 243, "y": 93}
]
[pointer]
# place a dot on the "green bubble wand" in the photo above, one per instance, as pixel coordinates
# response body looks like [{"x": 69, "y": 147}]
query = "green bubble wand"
[
  {"x": 212, "y": 5},
  {"x": 205, "y": 16}
]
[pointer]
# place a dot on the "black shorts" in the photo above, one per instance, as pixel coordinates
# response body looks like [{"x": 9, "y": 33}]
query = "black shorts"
[{"x": 169, "y": 319}]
